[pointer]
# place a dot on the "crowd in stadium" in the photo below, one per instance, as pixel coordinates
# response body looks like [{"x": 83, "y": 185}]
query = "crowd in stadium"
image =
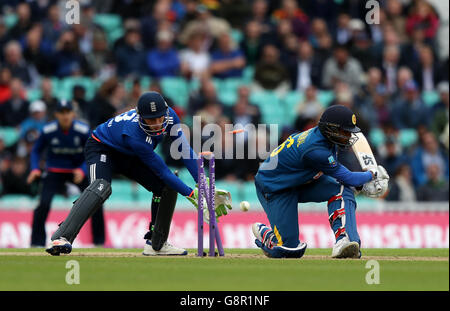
[{"x": 393, "y": 75}]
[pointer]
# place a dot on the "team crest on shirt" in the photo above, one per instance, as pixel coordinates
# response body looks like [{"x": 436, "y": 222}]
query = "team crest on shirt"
[
  {"x": 331, "y": 161},
  {"x": 76, "y": 141},
  {"x": 54, "y": 141}
]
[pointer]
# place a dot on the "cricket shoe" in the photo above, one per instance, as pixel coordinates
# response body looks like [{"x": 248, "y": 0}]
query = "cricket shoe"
[
  {"x": 264, "y": 234},
  {"x": 166, "y": 250},
  {"x": 346, "y": 249},
  {"x": 59, "y": 246}
]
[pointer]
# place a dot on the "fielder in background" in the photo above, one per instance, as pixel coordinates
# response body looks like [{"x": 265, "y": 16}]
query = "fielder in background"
[
  {"x": 308, "y": 171},
  {"x": 64, "y": 141},
  {"x": 125, "y": 145}
]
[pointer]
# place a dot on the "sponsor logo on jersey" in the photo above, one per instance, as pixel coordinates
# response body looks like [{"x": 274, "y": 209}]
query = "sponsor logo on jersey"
[{"x": 331, "y": 161}]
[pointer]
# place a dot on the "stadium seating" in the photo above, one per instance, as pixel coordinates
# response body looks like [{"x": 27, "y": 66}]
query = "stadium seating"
[
  {"x": 66, "y": 86},
  {"x": 111, "y": 24},
  {"x": 10, "y": 20},
  {"x": 407, "y": 137},
  {"x": 430, "y": 97},
  {"x": 271, "y": 107},
  {"x": 10, "y": 135},
  {"x": 176, "y": 88}
]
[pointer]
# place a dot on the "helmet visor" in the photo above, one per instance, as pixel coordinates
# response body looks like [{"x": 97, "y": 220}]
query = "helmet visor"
[{"x": 153, "y": 128}]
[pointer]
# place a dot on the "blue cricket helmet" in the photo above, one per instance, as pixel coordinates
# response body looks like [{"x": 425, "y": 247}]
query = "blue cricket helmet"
[
  {"x": 151, "y": 105},
  {"x": 335, "y": 119}
]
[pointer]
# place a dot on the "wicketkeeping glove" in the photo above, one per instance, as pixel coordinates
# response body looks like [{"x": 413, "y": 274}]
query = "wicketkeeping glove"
[{"x": 222, "y": 200}]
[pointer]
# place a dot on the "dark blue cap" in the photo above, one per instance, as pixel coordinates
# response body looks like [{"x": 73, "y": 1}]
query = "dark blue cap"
[
  {"x": 64, "y": 105},
  {"x": 151, "y": 105}
]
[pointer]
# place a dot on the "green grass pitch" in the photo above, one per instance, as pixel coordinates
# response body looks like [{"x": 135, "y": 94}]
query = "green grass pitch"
[{"x": 239, "y": 270}]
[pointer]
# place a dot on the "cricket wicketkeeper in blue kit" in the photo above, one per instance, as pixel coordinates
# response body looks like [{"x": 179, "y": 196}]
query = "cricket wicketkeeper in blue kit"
[
  {"x": 125, "y": 145},
  {"x": 307, "y": 170}
]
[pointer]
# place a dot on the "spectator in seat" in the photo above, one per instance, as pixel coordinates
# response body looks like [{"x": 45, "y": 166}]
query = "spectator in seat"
[
  {"x": 299, "y": 20},
  {"x": 205, "y": 21},
  {"x": 48, "y": 98},
  {"x": 227, "y": 61},
  {"x": 395, "y": 16},
  {"x": 80, "y": 103},
  {"x": 259, "y": 13},
  {"x": 319, "y": 29},
  {"x": 376, "y": 109},
  {"x": 100, "y": 58},
  {"x": 342, "y": 67},
  {"x": 429, "y": 153},
  {"x": 404, "y": 75},
  {"x": 436, "y": 188},
  {"x": 401, "y": 186},
  {"x": 102, "y": 106},
  {"x": 16, "y": 109},
  {"x": 37, "y": 51},
  {"x": 206, "y": 93},
  {"x": 14, "y": 179},
  {"x": 251, "y": 45},
  {"x": 309, "y": 110},
  {"x": 15, "y": 62},
  {"x": 243, "y": 112},
  {"x": 226, "y": 168},
  {"x": 24, "y": 21},
  {"x": 441, "y": 110},
  {"x": 342, "y": 33},
  {"x": 392, "y": 155},
  {"x": 5, "y": 88},
  {"x": 52, "y": 25},
  {"x": 410, "y": 111},
  {"x": 68, "y": 58},
  {"x": 428, "y": 71},
  {"x": 361, "y": 48},
  {"x": 4, "y": 36},
  {"x": 307, "y": 70},
  {"x": 163, "y": 61},
  {"x": 390, "y": 65},
  {"x": 194, "y": 58},
  {"x": 424, "y": 17},
  {"x": 36, "y": 120},
  {"x": 131, "y": 49},
  {"x": 369, "y": 88},
  {"x": 270, "y": 73}
]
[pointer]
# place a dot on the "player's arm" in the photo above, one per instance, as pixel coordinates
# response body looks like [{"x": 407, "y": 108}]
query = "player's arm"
[
  {"x": 158, "y": 166},
  {"x": 322, "y": 160},
  {"x": 35, "y": 158},
  {"x": 81, "y": 171},
  {"x": 188, "y": 155}
]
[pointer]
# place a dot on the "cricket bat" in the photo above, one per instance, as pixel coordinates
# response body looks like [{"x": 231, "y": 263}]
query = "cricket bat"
[{"x": 364, "y": 154}]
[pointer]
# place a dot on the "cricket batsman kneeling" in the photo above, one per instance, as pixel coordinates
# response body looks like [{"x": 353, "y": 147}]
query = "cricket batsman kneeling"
[
  {"x": 125, "y": 145},
  {"x": 307, "y": 170}
]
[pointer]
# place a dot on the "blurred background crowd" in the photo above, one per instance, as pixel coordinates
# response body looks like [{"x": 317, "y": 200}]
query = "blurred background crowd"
[{"x": 236, "y": 61}]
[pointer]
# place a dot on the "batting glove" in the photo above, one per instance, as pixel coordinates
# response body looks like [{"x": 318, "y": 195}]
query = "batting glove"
[{"x": 377, "y": 187}]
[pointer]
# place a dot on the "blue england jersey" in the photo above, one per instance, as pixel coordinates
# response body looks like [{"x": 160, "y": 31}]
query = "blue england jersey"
[
  {"x": 65, "y": 150},
  {"x": 124, "y": 134},
  {"x": 302, "y": 158}
]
